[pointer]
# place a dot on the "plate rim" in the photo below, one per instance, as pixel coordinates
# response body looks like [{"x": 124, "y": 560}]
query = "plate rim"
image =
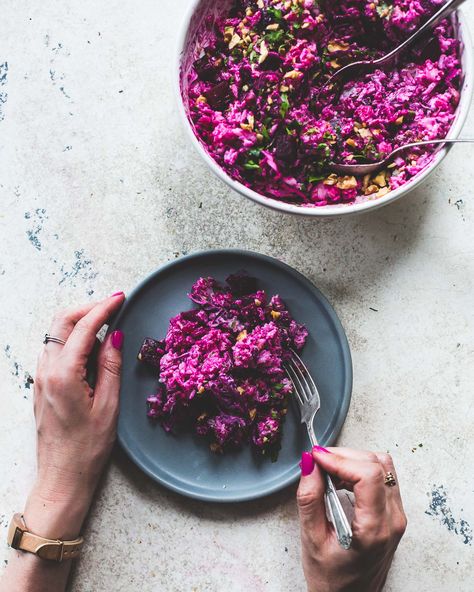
[{"x": 294, "y": 473}]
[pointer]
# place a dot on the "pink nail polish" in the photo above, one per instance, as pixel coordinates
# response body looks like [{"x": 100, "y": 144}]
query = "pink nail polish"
[
  {"x": 321, "y": 449},
  {"x": 117, "y": 294},
  {"x": 117, "y": 339},
  {"x": 306, "y": 464}
]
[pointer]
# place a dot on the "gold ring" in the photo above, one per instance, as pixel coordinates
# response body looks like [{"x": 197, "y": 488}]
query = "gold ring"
[{"x": 390, "y": 480}]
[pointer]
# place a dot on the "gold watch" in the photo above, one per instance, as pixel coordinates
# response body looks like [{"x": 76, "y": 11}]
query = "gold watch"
[{"x": 20, "y": 538}]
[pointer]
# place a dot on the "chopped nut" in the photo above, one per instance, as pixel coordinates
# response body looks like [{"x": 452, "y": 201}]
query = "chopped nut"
[
  {"x": 371, "y": 189},
  {"x": 305, "y": 25},
  {"x": 241, "y": 335},
  {"x": 260, "y": 4},
  {"x": 275, "y": 314},
  {"x": 270, "y": 101},
  {"x": 260, "y": 137},
  {"x": 335, "y": 64},
  {"x": 351, "y": 142},
  {"x": 331, "y": 179},
  {"x": 337, "y": 46},
  {"x": 263, "y": 52},
  {"x": 252, "y": 414},
  {"x": 202, "y": 416},
  {"x": 383, "y": 191},
  {"x": 381, "y": 179},
  {"x": 399, "y": 120},
  {"x": 273, "y": 27},
  {"x": 201, "y": 389},
  {"x": 347, "y": 182},
  {"x": 245, "y": 87},
  {"x": 228, "y": 33},
  {"x": 236, "y": 40},
  {"x": 240, "y": 390},
  {"x": 201, "y": 99},
  {"x": 364, "y": 132},
  {"x": 284, "y": 88},
  {"x": 293, "y": 74},
  {"x": 249, "y": 12}
]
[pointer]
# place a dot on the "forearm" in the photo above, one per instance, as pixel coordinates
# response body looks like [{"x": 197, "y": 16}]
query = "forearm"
[
  {"x": 28, "y": 573},
  {"x": 53, "y": 519}
]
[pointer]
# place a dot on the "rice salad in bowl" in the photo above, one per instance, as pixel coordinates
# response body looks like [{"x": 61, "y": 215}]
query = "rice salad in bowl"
[{"x": 251, "y": 79}]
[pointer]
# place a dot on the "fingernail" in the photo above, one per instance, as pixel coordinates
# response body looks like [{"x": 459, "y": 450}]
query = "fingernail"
[
  {"x": 117, "y": 294},
  {"x": 306, "y": 464},
  {"x": 117, "y": 340},
  {"x": 321, "y": 449}
]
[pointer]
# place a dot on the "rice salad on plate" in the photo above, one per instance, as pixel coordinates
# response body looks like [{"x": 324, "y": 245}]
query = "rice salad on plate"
[{"x": 221, "y": 366}]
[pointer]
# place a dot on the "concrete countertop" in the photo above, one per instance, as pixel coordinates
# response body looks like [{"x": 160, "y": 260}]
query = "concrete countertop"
[{"x": 99, "y": 187}]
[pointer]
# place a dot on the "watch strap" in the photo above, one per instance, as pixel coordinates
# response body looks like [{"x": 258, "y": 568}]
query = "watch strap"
[{"x": 53, "y": 550}]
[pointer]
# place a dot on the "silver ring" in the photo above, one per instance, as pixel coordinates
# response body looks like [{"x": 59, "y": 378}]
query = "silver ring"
[{"x": 48, "y": 338}]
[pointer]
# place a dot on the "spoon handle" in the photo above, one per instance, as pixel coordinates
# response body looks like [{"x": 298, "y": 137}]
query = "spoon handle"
[
  {"x": 426, "y": 142},
  {"x": 446, "y": 9}
]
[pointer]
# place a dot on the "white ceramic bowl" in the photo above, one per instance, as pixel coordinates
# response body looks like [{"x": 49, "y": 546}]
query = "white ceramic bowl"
[{"x": 200, "y": 9}]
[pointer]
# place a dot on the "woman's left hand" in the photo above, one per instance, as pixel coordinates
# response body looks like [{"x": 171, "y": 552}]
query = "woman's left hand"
[{"x": 76, "y": 425}]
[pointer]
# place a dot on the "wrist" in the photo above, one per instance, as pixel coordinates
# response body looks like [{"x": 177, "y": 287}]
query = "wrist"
[{"x": 54, "y": 516}]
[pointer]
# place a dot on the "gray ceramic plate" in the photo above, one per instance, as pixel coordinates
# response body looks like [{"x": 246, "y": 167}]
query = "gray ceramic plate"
[{"x": 184, "y": 463}]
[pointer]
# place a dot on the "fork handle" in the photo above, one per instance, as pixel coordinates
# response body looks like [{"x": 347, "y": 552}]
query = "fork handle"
[{"x": 333, "y": 503}]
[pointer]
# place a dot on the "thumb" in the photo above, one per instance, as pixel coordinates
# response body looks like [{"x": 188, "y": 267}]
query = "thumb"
[
  {"x": 310, "y": 499},
  {"x": 109, "y": 368}
]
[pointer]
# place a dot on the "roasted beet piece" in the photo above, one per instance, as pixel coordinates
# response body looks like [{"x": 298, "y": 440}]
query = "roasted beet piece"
[
  {"x": 286, "y": 148},
  {"x": 205, "y": 70},
  {"x": 151, "y": 352},
  {"x": 272, "y": 62},
  {"x": 219, "y": 96}
]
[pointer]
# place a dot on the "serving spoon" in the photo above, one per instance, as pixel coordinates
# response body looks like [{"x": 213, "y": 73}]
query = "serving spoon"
[
  {"x": 354, "y": 69},
  {"x": 373, "y": 167}
]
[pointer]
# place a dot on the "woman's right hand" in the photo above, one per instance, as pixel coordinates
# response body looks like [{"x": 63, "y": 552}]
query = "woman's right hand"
[{"x": 378, "y": 525}]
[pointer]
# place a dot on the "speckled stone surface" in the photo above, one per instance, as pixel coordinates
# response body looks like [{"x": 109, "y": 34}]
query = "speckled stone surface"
[{"x": 98, "y": 187}]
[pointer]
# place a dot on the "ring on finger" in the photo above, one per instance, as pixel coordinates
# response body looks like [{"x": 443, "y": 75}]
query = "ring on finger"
[
  {"x": 48, "y": 338},
  {"x": 389, "y": 479}
]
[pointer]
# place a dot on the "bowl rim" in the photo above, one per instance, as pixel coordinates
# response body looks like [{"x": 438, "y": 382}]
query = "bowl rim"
[{"x": 334, "y": 210}]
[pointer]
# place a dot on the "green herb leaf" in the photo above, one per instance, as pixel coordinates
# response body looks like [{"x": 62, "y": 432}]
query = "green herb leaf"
[
  {"x": 285, "y": 105},
  {"x": 251, "y": 166}
]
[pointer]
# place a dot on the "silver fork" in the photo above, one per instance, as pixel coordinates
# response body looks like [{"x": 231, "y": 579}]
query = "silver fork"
[{"x": 309, "y": 402}]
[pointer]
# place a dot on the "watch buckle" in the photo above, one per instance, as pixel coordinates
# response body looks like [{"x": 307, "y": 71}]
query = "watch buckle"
[{"x": 46, "y": 551}]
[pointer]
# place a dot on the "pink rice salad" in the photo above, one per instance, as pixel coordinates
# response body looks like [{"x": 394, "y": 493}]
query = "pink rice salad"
[
  {"x": 220, "y": 366},
  {"x": 255, "y": 104}
]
